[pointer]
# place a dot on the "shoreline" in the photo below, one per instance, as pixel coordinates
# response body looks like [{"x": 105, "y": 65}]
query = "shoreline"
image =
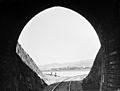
[{"x": 64, "y": 70}]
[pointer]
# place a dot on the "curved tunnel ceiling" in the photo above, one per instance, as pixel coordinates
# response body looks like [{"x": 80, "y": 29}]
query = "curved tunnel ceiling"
[{"x": 60, "y": 32}]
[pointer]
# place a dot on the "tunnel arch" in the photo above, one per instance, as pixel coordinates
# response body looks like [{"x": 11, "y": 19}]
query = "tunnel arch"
[
  {"x": 65, "y": 8},
  {"x": 35, "y": 18}
]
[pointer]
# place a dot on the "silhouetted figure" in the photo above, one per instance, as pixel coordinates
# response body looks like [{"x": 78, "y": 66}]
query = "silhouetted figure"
[{"x": 55, "y": 74}]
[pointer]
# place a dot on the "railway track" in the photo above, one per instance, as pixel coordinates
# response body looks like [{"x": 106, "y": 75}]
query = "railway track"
[{"x": 69, "y": 85}]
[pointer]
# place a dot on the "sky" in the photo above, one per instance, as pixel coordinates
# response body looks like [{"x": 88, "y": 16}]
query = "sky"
[{"x": 58, "y": 35}]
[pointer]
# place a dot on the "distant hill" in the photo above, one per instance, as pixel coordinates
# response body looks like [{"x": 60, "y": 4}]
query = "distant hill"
[
  {"x": 82, "y": 63},
  {"x": 28, "y": 60}
]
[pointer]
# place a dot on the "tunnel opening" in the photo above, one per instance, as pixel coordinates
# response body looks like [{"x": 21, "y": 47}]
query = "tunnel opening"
[
  {"x": 106, "y": 67},
  {"x": 58, "y": 23}
]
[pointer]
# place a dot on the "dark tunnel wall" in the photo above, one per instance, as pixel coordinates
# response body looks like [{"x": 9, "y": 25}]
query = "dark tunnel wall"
[
  {"x": 18, "y": 76},
  {"x": 105, "y": 18}
]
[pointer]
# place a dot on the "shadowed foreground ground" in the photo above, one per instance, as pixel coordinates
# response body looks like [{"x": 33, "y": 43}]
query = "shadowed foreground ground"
[{"x": 75, "y": 86}]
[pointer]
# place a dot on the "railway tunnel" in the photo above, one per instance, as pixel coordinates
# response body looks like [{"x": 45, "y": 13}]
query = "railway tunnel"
[{"x": 105, "y": 18}]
